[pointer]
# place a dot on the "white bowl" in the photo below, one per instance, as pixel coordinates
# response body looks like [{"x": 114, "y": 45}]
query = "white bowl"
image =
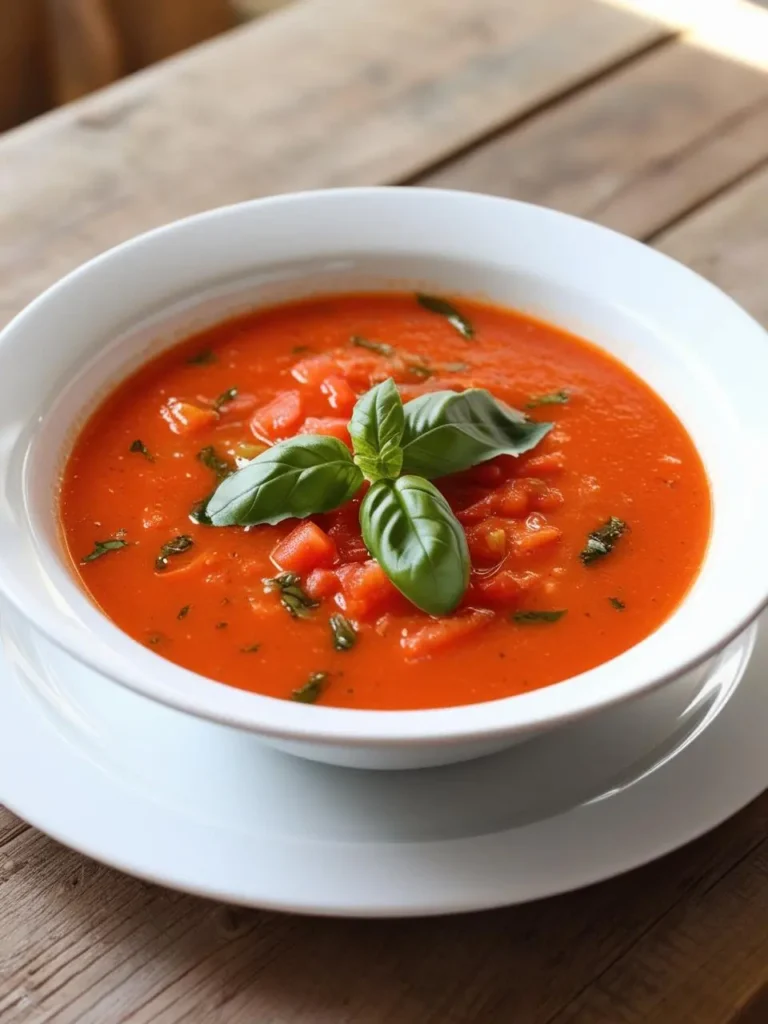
[{"x": 698, "y": 349}]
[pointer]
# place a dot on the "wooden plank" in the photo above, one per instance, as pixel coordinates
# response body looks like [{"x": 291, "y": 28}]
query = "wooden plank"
[
  {"x": 81, "y": 944},
  {"x": 321, "y": 93},
  {"x": 727, "y": 241},
  {"x": 634, "y": 151}
]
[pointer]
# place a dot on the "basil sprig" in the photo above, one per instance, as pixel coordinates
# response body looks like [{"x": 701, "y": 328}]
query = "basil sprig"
[
  {"x": 448, "y": 431},
  {"x": 410, "y": 530},
  {"x": 407, "y": 524}
]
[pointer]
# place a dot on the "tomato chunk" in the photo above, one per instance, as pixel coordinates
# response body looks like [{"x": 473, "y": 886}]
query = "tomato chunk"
[
  {"x": 321, "y": 583},
  {"x": 442, "y": 634},
  {"x": 505, "y": 587},
  {"x": 305, "y": 548},
  {"x": 366, "y": 592},
  {"x": 340, "y": 395},
  {"x": 186, "y": 418},
  {"x": 328, "y": 426},
  {"x": 314, "y": 370},
  {"x": 279, "y": 418}
]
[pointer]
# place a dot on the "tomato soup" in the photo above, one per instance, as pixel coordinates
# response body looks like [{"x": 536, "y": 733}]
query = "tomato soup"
[{"x": 573, "y": 550}]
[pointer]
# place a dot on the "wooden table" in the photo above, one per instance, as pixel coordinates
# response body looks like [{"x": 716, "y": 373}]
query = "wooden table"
[{"x": 656, "y": 128}]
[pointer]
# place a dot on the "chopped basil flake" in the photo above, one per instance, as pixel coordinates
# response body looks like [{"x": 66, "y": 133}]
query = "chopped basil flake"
[
  {"x": 344, "y": 633},
  {"x": 184, "y": 612},
  {"x": 298, "y": 350},
  {"x": 311, "y": 690},
  {"x": 453, "y": 367},
  {"x": 420, "y": 370},
  {"x": 141, "y": 448},
  {"x": 379, "y": 347},
  {"x": 221, "y": 625},
  {"x": 203, "y": 358},
  {"x": 251, "y": 648},
  {"x": 212, "y": 461},
  {"x": 103, "y": 547},
  {"x": 224, "y": 398},
  {"x": 292, "y": 597},
  {"x": 154, "y": 639},
  {"x": 553, "y": 398},
  {"x": 443, "y": 308},
  {"x": 617, "y": 603},
  {"x": 175, "y": 546},
  {"x": 528, "y": 618},
  {"x": 601, "y": 541}
]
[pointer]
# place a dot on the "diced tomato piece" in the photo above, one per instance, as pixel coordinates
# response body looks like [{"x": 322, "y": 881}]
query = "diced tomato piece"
[
  {"x": 442, "y": 634},
  {"x": 487, "y": 473},
  {"x": 321, "y": 583},
  {"x": 361, "y": 368},
  {"x": 532, "y": 535},
  {"x": 186, "y": 418},
  {"x": 366, "y": 592},
  {"x": 479, "y": 510},
  {"x": 487, "y": 541},
  {"x": 328, "y": 426},
  {"x": 305, "y": 548},
  {"x": 340, "y": 395},
  {"x": 314, "y": 370},
  {"x": 543, "y": 497},
  {"x": 546, "y": 465},
  {"x": 505, "y": 587},
  {"x": 512, "y": 499},
  {"x": 279, "y": 418},
  {"x": 343, "y": 525}
]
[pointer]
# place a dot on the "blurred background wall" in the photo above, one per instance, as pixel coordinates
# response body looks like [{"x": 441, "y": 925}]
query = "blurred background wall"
[{"x": 53, "y": 51}]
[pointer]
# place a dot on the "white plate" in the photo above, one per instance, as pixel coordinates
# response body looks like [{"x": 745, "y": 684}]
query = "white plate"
[{"x": 210, "y": 810}]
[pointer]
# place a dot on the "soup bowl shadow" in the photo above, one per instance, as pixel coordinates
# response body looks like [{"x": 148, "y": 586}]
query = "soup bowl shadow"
[{"x": 703, "y": 354}]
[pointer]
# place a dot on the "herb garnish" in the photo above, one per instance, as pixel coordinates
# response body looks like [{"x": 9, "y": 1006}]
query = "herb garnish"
[
  {"x": 443, "y": 308},
  {"x": 102, "y": 547},
  {"x": 154, "y": 639},
  {"x": 198, "y": 514},
  {"x": 203, "y": 358},
  {"x": 221, "y": 625},
  {"x": 311, "y": 690},
  {"x": 141, "y": 448},
  {"x": 344, "y": 633},
  {"x": 300, "y": 349},
  {"x": 528, "y": 618},
  {"x": 407, "y": 524},
  {"x": 601, "y": 541},
  {"x": 552, "y": 398},
  {"x": 420, "y": 370},
  {"x": 175, "y": 546},
  {"x": 184, "y": 612},
  {"x": 219, "y": 466},
  {"x": 251, "y": 648},
  {"x": 617, "y": 603},
  {"x": 453, "y": 367},
  {"x": 379, "y": 347},
  {"x": 296, "y": 602},
  {"x": 224, "y": 398}
]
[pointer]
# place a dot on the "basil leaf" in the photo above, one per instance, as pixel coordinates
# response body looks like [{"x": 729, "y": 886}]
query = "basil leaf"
[
  {"x": 617, "y": 603},
  {"x": 379, "y": 347},
  {"x": 343, "y": 633},
  {"x": 102, "y": 547},
  {"x": 203, "y": 358},
  {"x": 443, "y": 308},
  {"x": 198, "y": 514},
  {"x": 293, "y": 479},
  {"x": 600, "y": 542},
  {"x": 312, "y": 689},
  {"x": 293, "y": 597},
  {"x": 214, "y": 462},
  {"x": 226, "y": 396},
  {"x": 184, "y": 612},
  {"x": 175, "y": 546},
  {"x": 412, "y": 533},
  {"x": 529, "y": 618},
  {"x": 448, "y": 431},
  {"x": 141, "y": 448},
  {"x": 552, "y": 398},
  {"x": 376, "y": 428}
]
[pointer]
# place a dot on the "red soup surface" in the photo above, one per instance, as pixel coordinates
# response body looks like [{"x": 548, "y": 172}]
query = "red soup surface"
[{"x": 152, "y": 451}]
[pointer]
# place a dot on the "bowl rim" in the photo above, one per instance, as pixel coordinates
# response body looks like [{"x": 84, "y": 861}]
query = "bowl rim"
[{"x": 123, "y": 660}]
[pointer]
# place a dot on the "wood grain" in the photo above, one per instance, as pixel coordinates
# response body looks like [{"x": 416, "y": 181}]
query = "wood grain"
[
  {"x": 321, "y": 93},
  {"x": 672, "y": 129}
]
